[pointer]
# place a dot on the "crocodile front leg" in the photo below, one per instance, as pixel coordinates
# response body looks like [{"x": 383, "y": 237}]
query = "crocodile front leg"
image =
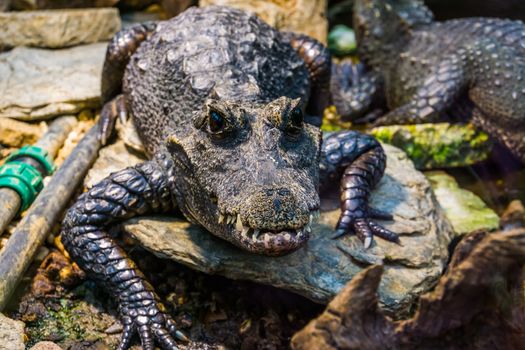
[
  {"x": 318, "y": 61},
  {"x": 359, "y": 162},
  {"x": 145, "y": 188},
  {"x": 354, "y": 92}
]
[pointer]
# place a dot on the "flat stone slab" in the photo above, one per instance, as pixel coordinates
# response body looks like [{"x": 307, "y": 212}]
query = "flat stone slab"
[
  {"x": 321, "y": 268},
  {"x": 58, "y": 28},
  {"x": 40, "y": 83}
]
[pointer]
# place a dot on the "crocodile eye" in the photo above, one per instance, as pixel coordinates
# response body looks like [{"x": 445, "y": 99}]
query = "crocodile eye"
[
  {"x": 296, "y": 123},
  {"x": 296, "y": 117},
  {"x": 216, "y": 122}
]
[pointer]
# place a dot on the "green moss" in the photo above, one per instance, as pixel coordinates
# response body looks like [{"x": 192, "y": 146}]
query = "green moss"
[
  {"x": 69, "y": 321},
  {"x": 332, "y": 121},
  {"x": 58, "y": 324},
  {"x": 438, "y": 145},
  {"x": 466, "y": 211}
]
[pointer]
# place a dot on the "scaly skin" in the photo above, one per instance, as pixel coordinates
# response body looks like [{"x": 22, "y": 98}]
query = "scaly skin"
[
  {"x": 429, "y": 68},
  {"x": 218, "y": 98}
]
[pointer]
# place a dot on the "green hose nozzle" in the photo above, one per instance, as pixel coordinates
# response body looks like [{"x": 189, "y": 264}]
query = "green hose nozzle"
[{"x": 24, "y": 178}]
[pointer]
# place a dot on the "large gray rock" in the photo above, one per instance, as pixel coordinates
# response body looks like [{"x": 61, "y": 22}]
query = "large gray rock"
[
  {"x": 11, "y": 334},
  {"x": 40, "y": 83},
  {"x": 58, "y": 28},
  {"x": 320, "y": 269}
]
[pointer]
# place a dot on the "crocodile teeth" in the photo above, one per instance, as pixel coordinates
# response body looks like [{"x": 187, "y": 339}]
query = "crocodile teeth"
[
  {"x": 231, "y": 219},
  {"x": 368, "y": 242},
  {"x": 256, "y": 233},
  {"x": 221, "y": 218},
  {"x": 245, "y": 230},
  {"x": 310, "y": 220},
  {"x": 308, "y": 228},
  {"x": 238, "y": 224}
]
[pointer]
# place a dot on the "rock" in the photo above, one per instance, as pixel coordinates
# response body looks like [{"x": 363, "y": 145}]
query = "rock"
[
  {"x": 477, "y": 304},
  {"x": 514, "y": 216},
  {"x": 321, "y": 268},
  {"x": 341, "y": 40},
  {"x": 440, "y": 145},
  {"x": 110, "y": 159},
  {"x": 301, "y": 16},
  {"x": 59, "y": 4},
  {"x": 75, "y": 321},
  {"x": 17, "y": 134},
  {"x": 58, "y": 28},
  {"x": 11, "y": 334},
  {"x": 55, "y": 270},
  {"x": 465, "y": 211},
  {"x": 45, "y": 345},
  {"x": 39, "y": 83},
  {"x": 128, "y": 133}
]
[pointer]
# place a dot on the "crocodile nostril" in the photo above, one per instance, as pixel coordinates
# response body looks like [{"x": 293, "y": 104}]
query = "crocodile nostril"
[
  {"x": 268, "y": 192},
  {"x": 283, "y": 191},
  {"x": 277, "y": 204}
]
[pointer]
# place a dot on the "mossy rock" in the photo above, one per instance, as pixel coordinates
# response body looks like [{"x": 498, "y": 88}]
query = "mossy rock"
[
  {"x": 440, "y": 145},
  {"x": 465, "y": 211}
]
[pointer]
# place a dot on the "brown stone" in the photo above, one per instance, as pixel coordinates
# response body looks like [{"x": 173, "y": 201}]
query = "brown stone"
[
  {"x": 11, "y": 334},
  {"x": 58, "y": 28},
  {"x": 55, "y": 270},
  {"x": 45, "y": 345},
  {"x": 301, "y": 16},
  {"x": 14, "y": 133}
]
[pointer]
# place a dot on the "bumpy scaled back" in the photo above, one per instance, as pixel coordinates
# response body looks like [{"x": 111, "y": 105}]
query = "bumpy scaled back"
[{"x": 235, "y": 56}]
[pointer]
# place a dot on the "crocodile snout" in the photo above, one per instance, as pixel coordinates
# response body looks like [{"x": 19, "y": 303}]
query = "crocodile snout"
[{"x": 275, "y": 208}]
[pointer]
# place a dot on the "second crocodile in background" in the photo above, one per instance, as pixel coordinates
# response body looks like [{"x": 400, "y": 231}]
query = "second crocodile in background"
[
  {"x": 228, "y": 109},
  {"x": 470, "y": 68}
]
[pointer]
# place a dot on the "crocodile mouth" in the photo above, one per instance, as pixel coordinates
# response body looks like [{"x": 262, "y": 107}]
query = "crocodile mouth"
[{"x": 267, "y": 242}]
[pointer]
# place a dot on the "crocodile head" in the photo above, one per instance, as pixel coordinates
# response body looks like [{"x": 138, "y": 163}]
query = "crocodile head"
[
  {"x": 251, "y": 173},
  {"x": 382, "y": 25}
]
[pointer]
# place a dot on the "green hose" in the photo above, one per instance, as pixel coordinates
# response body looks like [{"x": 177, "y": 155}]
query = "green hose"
[{"x": 24, "y": 178}]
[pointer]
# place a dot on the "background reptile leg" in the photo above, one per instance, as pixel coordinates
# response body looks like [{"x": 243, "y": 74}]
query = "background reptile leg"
[
  {"x": 145, "y": 188},
  {"x": 119, "y": 50},
  {"x": 359, "y": 162},
  {"x": 319, "y": 62},
  {"x": 354, "y": 92}
]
